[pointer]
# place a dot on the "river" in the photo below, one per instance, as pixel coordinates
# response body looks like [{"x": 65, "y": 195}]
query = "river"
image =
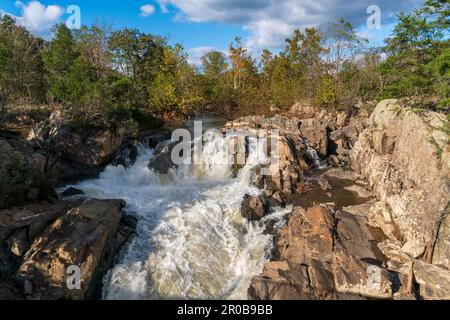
[{"x": 191, "y": 241}]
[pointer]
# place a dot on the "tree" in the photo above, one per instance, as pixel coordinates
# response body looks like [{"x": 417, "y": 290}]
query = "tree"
[
  {"x": 343, "y": 45},
  {"x": 416, "y": 53},
  {"x": 21, "y": 67},
  {"x": 215, "y": 66}
]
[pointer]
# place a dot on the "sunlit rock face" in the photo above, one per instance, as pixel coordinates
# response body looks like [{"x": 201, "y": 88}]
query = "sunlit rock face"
[{"x": 405, "y": 157}]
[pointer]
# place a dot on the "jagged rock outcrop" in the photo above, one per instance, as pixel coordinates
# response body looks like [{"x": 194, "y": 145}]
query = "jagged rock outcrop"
[
  {"x": 128, "y": 151},
  {"x": 405, "y": 157},
  {"x": 87, "y": 236},
  {"x": 79, "y": 154},
  {"x": 322, "y": 254},
  {"x": 316, "y": 134},
  {"x": 284, "y": 177}
]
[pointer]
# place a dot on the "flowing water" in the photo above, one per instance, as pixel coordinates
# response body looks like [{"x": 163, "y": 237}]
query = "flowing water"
[
  {"x": 191, "y": 242},
  {"x": 314, "y": 157}
]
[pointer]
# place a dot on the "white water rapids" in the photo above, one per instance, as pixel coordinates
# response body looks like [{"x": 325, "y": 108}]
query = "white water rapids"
[{"x": 191, "y": 241}]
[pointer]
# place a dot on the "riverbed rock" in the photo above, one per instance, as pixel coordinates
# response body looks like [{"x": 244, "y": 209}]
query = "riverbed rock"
[
  {"x": 405, "y": 158},
  {"x": 284, "y": 176},
  {"x": 161, "y": 161},
  {"x": 127, "y": 153},
  {"x": 325, "y": 254},
  {"x": 316, "y": 134},
  {"x": 254, "y": 207},
  {"x": 87, "y": 237},
  {"x": 69, "y": 192}
]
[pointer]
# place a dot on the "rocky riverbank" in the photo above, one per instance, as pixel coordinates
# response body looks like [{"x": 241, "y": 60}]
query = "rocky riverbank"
[
  {"x": 369, "y": 197},
  {"x": 42, "y": 235},
  {"x": 392, "y": 243}
]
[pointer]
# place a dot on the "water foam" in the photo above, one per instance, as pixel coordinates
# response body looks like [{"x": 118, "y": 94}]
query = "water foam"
[{"x": 191, "y": 242}]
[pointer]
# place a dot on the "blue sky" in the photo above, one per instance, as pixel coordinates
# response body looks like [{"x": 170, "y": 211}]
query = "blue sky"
[{"x": 201, "y": 25}]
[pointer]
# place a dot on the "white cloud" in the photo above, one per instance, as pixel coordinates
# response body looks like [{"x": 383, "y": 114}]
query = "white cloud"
[
  {"x": 269, "y": 22},
  {"x": 147, "y": 10},
  {"x": 195, "y": 54},
  {"x": 37, "y": 17}
]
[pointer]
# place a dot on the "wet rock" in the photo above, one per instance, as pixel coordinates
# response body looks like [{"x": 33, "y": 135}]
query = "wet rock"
[
  {"x": 254, "y": 207},
  {"x": 333, "y": 160},
  {"x": 316, "y": 133},
  {"x": 162, "y": 158},
  {"x": 153, "y": 140},
  {"x": 127, "y": 153},
  {"x": 434, "y": 282},
  {"x": 87, "y": 236},
  {"x": 69, "y": 192}
]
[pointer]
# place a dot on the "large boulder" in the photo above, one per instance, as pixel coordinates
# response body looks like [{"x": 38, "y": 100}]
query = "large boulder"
[
  {"x": 86, "y": 237},
  {"x": 434, "y": 282},
  {"x": 254, "y": 207},
  {"x": 322, "y": 254},
  {"x": 404, "y": 156},
  {"x": 81, "y": 152}
]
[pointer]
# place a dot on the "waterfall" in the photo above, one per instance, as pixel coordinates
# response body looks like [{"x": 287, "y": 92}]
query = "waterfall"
[
  {"x": 314, "y": 156},
  {"x": 191, "y": 242}
]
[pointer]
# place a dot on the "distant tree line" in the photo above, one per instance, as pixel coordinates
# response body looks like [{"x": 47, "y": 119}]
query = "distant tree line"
[
  {"x": 330, "y": 67},
  {"x": 97, "y": 72}
]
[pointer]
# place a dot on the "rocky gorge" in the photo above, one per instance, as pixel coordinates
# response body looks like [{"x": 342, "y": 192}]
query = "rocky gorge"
[{"x": 356, "y": 209}]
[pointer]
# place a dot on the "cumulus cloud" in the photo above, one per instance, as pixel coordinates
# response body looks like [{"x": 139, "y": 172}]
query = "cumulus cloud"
[
  {"x": 147, "y": 10},
  {"x": 195, "y": 54},
  {"x": 37, "y": 17},
  {"x": 269, "y": 22}
]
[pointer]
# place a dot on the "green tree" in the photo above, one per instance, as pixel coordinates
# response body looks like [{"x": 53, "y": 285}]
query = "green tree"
[
  {"x": 215, "y": 89},
  {"x": 21, "y": 67},
  {"x": 416, "y": 53}
]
